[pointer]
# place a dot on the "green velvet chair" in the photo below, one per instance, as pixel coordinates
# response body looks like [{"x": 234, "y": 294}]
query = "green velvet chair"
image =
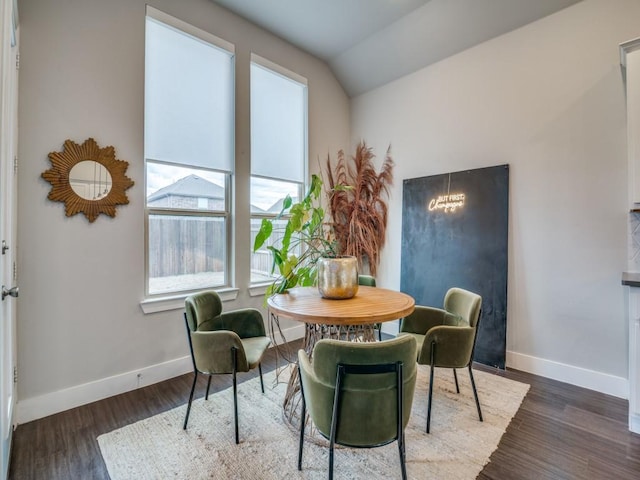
[
  {"x": 358, "y": 394},
  {"x": 223, "y": 343},
  {"x": 369, "y": 281},
  {"x": 446, "y": 337}
]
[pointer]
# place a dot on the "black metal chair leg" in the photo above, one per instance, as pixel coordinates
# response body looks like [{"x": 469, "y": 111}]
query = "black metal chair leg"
[
  {"x": 206, "y": 395},
  {"x": 193, "y": 387},
  {"x": 235, "y": 391},
  {"x": 455, "y": 377},
  {"x": 380, "y": 332},
  {"x": 433, "y": 348},
  {"x": 261, "y": 381},
  {"x": 403, "y": 466},
  {"x": 400, "y": 432},
  {"x": 475, "y": 393},
  {"x": 334, "y": 418},
  {"x": 302, "y": 425},
  {"x": 331, "y": 461}
]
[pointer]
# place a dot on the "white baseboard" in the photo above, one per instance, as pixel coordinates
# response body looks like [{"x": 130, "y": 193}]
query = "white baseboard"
[
  {"x": 48, "y": 404},
  {"x": 581, "y": 377},
  {"x": 391, "y": 327},
  {"x": 37, "y": 407},
  {"x": 44, "y": 405},
  {"x": 290, "y": 334},
  {"x": 634, "y": 422}
]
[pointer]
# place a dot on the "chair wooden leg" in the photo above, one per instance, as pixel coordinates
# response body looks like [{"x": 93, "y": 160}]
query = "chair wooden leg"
[
  {"x": 302, "y": 425},
  {"x": 433, "y": 348},
  {"x": 261, "y": 381},
  {"x": 193, "y": 387},
  {"x": 206, "y": 395},
  {"x": 235, "y": 391},
  {"x": 455, "y": 377},
  {"x": 475, "y": 392}
]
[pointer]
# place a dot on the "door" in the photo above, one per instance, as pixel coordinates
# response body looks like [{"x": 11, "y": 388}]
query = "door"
[{"x": 8, "y": 177}]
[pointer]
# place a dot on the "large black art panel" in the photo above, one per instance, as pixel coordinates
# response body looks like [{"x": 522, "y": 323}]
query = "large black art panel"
[{"x": 455, "y": 234}]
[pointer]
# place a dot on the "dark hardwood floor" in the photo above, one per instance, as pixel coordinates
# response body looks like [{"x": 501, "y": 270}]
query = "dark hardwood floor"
[{"x": 560, "y": 432}]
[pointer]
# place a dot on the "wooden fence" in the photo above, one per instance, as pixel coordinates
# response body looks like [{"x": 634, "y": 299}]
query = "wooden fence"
[{"x": 182, "y": 245}]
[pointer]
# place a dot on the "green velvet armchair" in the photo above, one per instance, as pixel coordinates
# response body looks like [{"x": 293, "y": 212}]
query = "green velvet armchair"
[
  {"x": 369, "y": 281},
  {"x": 223, "y": 343},
  {"x": 358, "y": 394},
  {"x": 446, "y": 337}
]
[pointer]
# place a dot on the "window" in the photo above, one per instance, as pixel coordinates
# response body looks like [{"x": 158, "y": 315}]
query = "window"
[
  {"x": 189, "y": 149},
  {"x": 278, "y": 148}
]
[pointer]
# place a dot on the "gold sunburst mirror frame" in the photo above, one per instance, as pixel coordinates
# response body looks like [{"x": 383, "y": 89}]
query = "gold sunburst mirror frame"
[{"x": 91, "y": 196}]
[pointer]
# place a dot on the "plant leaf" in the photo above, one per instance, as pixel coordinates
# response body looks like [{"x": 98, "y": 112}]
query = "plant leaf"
[{"x": 266, "y": 227}]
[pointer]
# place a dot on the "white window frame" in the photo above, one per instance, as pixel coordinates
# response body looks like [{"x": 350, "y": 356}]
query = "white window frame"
[
  {"x": 175, "y": 299},
  {"x": 258, "y": 288}
]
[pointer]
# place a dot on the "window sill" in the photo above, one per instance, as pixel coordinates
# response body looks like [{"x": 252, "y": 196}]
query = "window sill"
[
  {"x": 176, "y": 302},
  {"x": 258, "y": 289}
]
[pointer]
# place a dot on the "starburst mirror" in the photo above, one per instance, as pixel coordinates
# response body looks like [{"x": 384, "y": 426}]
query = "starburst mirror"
[{"x": 88, "y": 179}]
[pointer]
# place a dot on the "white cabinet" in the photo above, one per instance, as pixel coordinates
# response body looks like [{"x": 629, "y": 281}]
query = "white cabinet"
[{"x": 634, "y": 353}]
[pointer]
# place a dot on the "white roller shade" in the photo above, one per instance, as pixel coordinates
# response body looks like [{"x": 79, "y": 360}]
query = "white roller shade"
[
  {"x": 278, "y": 125},
  {"x": 189, "y": 99}
]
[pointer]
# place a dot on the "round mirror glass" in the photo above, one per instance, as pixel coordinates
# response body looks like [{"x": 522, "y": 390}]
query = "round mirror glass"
[{"x": 90, "y": 180}]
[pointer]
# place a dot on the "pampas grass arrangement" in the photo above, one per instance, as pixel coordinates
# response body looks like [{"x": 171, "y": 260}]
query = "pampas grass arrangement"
[{"x": 357, "y": 203}]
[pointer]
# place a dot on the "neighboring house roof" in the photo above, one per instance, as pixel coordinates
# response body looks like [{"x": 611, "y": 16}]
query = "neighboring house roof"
[
  {"x": 189, "y": 186},
  {"x": 195, "y": 186}
]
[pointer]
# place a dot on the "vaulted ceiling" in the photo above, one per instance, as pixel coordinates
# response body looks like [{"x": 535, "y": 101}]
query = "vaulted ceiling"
[{"x": 368, "y": 43}]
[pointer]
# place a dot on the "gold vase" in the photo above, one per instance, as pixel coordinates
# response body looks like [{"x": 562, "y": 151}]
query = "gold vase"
[{"x": 338, "y": 277}]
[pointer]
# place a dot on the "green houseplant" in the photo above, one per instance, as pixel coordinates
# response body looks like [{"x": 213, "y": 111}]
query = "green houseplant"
[
  {"x": 357, "y": 227},
  {"x": 305, "y": 232}
]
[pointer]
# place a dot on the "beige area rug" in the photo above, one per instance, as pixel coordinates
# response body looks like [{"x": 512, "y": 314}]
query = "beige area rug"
[{"x": 457, "y": 448}]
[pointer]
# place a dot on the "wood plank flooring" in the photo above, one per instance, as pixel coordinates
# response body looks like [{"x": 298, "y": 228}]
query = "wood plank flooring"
[{"x": 560, "y": 432}]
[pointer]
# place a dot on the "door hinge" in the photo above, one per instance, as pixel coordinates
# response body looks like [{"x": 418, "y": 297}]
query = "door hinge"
[
  {"x": 17, "y": 61},
  {"x": 15, "y": 164},
  {"x": 15, "y": 374},
  {"x": 15, "y": 271}
]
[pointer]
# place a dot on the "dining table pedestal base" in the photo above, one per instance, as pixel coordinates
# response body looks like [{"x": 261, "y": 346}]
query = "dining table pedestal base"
[
  {"x": 352, "y": 319},
  {"x": 292, "y": 403}
]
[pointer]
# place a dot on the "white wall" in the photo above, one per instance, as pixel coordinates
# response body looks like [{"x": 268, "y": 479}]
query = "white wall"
[
  {"x": 547, "y": 99},
  {"x": 81, "y": 332}
]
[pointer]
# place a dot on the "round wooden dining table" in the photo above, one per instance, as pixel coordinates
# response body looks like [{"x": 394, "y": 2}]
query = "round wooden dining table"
[
  {"x": 369, "y": 305},
  {"x": 350, "y": 319}
]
